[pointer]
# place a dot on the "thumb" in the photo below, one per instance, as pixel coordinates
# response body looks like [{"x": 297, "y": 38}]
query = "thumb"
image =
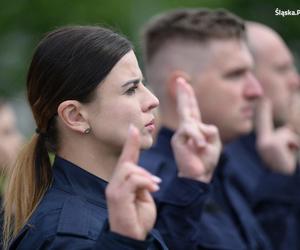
[{"x": 131, "y": 149}]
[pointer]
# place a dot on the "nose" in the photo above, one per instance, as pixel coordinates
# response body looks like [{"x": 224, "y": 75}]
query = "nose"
[
  {"x": 150, "y": 101},
  {"x": 294, "y": 81},
  {"x": 253, "y": 88}
]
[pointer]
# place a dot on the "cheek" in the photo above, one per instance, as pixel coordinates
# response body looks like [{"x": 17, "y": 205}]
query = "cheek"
[
  {"x": 112, "y": 122},
  {"x": 110, "y": 129},
  {"x": 272, "y": 85},
  {"x": 279, "y": 94},
  {"x": 229, "y": 99},
  {"x": 228, "y": 105}
]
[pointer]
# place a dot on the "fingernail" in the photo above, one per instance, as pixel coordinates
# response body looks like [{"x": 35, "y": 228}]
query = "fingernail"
[
  {"x": 155, "y": 187},
  {"x": 156, "y": 179},
  {"x": 180, "y": 79},
  {"x": 180, "y": 83}
]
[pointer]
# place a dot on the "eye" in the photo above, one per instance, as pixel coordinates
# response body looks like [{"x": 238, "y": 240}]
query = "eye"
[
  {"x": 284, "y": 68},
  {"x": 132, "y": 90},
  {"x": 235, "y": 73}
]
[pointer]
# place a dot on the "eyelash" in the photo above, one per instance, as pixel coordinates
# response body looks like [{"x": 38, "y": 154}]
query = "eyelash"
[
  {"x": 131, "y": 91},
  {"x": 235, "y": 74}
]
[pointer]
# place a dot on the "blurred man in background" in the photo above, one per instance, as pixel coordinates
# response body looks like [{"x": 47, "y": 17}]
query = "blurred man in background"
[
  {"x": 269, "y": 176},
  {"x": 207, "y": 49}
]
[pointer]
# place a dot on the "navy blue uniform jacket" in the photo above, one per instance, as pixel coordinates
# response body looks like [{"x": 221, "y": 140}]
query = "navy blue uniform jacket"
[
  {"x": 73, "y": 215},
  {"x": 222, "y": 221},
  {"x": 274, "y": 197}
]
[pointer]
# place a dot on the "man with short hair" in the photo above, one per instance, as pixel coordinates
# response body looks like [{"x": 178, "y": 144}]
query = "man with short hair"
[
  {"x": 207, "y": 49},
  {"x": 269, "y": 177}
]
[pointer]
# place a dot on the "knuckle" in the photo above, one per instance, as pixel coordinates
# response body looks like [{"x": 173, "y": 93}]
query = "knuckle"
[
  {"x": 132, "y": 179},
  {"x": 214, "y": 129},
  {"x": 111, "y": 193}
]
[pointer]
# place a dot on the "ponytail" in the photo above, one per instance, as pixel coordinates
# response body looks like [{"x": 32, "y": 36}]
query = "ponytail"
[
  {"x": 68, "y": 64},
  {"x": 28, "y": 181}
]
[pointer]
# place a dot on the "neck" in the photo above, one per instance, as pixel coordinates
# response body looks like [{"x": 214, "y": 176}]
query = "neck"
[{"x": 97, "y": 159}]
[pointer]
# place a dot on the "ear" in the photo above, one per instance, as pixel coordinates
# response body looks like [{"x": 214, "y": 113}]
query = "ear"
[
  {"x": 72, "y": 115},
  {"x": 171, "y": 83}
]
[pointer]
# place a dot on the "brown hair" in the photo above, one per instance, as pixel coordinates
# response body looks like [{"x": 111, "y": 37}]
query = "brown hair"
[
  {"x": 68, "y": 64},
  {"x": 199, "y": 25}
]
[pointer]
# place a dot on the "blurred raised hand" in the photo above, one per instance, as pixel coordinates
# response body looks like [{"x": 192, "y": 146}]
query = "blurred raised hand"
[
  {"x": 294, "y": 115},
  {"x": 131, "y": 208},
  {"x": 278, "y": 147},
  {"x": 196, "y": 146}
]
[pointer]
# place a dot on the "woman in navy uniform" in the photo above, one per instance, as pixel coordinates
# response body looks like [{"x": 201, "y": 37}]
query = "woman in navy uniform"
[
  {"x": 94, "y": 114},
  {"x": 85, "y": 88}
]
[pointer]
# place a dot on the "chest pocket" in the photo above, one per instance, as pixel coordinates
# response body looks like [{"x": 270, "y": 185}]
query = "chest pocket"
[{"x": 80, "y": 218}]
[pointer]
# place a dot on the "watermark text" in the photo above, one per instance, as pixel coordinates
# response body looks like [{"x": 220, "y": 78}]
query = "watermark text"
[{"x": 283, "y": 13}]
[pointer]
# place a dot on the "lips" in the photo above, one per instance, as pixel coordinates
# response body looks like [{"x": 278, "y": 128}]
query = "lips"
[
  {"x": 152, "y": 122},
  {"x": 248, "y": 111},
  {"x": 151, "y": 125}
]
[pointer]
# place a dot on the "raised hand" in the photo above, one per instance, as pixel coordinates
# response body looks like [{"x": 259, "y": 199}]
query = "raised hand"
[
  {"x": 294, "y": 115},
  {"x": 131, "y": 208},
  {"x": 277, "y": 147},
  {"x": 196, "y": 145}
]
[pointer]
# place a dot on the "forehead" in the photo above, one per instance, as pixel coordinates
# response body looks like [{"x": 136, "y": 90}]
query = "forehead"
[
  {"x": 126, "y": 68},
  {"x": 229, "y": 54},
  {"x": 275, "y": 52}
]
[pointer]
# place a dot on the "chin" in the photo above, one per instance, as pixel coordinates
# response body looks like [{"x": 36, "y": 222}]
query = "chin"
[
  {"x": 244, "y": 130},
  {"x": 247, "y": 126},
  {"x": 146, "y": 142},
  {"x": 237, "y": 132}
]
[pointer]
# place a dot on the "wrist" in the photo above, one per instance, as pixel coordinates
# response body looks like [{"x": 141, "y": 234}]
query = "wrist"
[
  {"x": 125, "y": 231},
  {"x": 206, "y": 178}
]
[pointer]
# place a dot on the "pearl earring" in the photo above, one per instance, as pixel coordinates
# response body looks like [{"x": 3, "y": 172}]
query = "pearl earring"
[{"x": 87, "y": 131}]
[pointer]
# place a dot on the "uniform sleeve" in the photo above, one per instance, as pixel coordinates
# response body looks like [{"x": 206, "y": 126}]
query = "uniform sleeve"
[
  {"x": 180, "y": 201},
  {"x": 180, "y": 205},
  {"x": 279, "y": 188},
  {"x": 276, "y": 204},
  {"x": 107, "y": 240},
  {"x": 111, "y": 241},
  {"x": 274, "y": 197}
]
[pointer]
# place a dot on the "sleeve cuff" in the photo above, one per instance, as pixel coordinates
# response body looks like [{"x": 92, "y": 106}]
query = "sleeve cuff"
[
  {"x": 279, "y": 188},
  {"x": 110, "y": 240},
  {"x": 181, "y": 191}
]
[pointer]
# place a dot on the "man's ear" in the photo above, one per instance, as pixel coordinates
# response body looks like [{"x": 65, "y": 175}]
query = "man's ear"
[
  {"x": 73, "y": 116},
  {"x": 171, "y": 83}
]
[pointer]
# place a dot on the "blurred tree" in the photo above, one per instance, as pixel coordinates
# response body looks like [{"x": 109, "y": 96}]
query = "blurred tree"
[{"x": 23, "y": 22}]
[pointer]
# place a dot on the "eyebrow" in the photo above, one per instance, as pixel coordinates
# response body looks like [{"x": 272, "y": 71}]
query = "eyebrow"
[{"x": 134, "y": 81}]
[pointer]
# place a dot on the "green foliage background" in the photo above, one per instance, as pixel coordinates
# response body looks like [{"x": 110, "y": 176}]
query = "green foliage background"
[{"x": 23, "y": 23}]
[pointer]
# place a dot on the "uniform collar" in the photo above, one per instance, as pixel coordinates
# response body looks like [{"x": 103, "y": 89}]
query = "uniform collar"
[{"x": 163, "y": 143}]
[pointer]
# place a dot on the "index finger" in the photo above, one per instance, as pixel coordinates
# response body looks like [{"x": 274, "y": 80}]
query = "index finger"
[
  {"x": 294, "y": 115},
  {"x": 131, "y": 149},
  {"x": 187, "y": 105},
  {"x": 264, "y": 117}
]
